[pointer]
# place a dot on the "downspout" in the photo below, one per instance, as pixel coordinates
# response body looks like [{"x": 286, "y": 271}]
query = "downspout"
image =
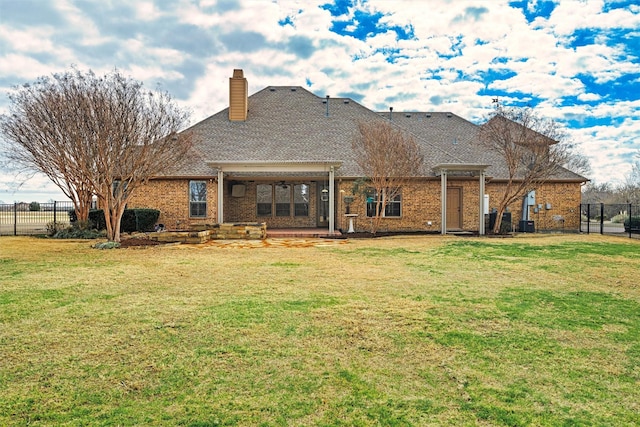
[
  {"x": 443, "y": 201},
  {"x": 331, "y": 200}
]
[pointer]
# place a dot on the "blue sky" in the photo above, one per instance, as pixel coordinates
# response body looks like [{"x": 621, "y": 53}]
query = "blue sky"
[{"x": 576, "y": 61}]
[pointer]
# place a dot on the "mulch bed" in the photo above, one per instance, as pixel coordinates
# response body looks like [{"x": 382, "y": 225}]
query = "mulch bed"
[
  {"x": 138, "y": 241},
  {"x": 368, "y": 235}
]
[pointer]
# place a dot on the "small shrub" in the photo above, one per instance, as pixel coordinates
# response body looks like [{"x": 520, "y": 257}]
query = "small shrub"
[
  {"x": 74, "y": 232},
  {"x": 34, "y": 207},
  {"x": 619, "y": 219},
  {"x": 107, "y": 245},
  {"x": 55, "y": 227}
]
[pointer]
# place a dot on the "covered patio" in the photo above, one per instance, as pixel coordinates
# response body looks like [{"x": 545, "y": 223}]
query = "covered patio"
[{"x": 325, "y": 170}]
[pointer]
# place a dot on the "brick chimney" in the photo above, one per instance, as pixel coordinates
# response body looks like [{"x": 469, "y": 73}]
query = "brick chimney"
[{"x": 238, "y": 94}]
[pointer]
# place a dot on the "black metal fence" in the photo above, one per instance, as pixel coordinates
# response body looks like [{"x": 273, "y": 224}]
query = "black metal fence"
[
  {"x": 32, "y": 218},
  {"x": 614, "y": 219}
]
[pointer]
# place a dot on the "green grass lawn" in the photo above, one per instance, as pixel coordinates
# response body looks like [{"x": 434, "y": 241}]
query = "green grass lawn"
[{"x": 541, "y": 331}]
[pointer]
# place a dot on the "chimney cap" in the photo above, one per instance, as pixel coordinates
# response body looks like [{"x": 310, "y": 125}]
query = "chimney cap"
[{"x": 237, "y": 73}]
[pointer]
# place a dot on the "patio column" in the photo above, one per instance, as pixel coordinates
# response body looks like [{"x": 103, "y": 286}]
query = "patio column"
[
  {"x": 481, "y": 229},
  {"x": 443, "y": 200},
  {"x": 332, "y": 215},
  {"x": 220, "y": 196}
]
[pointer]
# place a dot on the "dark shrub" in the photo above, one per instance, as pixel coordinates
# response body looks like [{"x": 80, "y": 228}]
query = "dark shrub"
[
  {"x": 132, "y": 219},
  {"x": 96, "y": 216},
  {"x": 147, "y": 219},
  {"x": 632, "y": 224},
  {"x": 34, "y": 207}
]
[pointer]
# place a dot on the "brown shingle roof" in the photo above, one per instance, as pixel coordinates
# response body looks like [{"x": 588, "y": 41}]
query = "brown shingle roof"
[{"x": 289, "y": 123}]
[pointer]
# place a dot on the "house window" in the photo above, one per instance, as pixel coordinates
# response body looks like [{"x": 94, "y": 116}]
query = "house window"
[
  {"x": 301, "y": 200},
  {"x": 119, "y": 188},
  {"x": 393, "y": 208},
  {"x": 265, "y": 199},
  {"x": 283, "y": 200},
  {"x": 197, "y": 199}
]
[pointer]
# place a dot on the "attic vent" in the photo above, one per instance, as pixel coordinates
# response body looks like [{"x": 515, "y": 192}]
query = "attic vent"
[
  {"x": 293, "y": 89},
  {"x": 449, "y": 115},
  {"x": 407, "y": 115},
  {"x": 346, "y": 101},
  {"x": 272, "y": 89},
  {"x": 428, "y": 115}
]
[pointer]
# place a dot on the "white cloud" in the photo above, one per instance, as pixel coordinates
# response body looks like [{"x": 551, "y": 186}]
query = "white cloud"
[{"x": 445, "y": 67}]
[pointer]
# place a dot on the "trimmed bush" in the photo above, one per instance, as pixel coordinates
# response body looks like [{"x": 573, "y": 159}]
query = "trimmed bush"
[
  {"x": 147, "y": 219},
  {"x": 132, "y": 219},
  {"x": 96, "y": 216}
]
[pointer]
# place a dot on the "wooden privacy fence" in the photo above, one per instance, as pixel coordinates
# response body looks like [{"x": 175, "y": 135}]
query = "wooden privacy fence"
[{"x": 32, "y": 218}]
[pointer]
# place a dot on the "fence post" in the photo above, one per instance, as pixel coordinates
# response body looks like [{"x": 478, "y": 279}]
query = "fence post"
[
  {"x": 55, "y": 217},
  {"x": 601, "y": 218},
  {"x": 630, "y": 216},
  {"x": 15, "y": 218},
  {"x": 588, "y": 217}
]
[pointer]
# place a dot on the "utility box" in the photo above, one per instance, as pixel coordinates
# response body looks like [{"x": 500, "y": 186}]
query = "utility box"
[
  {"x": 527, "y": 226},
  {"x": 505, "y": 225}
]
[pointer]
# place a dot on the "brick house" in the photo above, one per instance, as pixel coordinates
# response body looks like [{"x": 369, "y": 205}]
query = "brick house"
[{"x": 283, "y": 156}]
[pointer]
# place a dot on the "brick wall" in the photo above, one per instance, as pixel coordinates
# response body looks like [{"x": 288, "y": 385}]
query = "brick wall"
[
  {"x": 420, "y": 205},
  {"x": 171, "y": 198},
  {"x": 563, "y": 198}
]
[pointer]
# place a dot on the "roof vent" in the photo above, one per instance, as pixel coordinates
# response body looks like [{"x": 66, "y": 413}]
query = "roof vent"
[
  {"x": 272, "y": 89},
  {"x": 407, "y": 115},
  {"x": 293, "y": 89},
  {"x": 449, "y": 115},
  {"x": 428, "y": 115},
  {"x": 390, "y": 113},
  {"x": 346, "y": 101},
  {"x": 327, "y": 114}
]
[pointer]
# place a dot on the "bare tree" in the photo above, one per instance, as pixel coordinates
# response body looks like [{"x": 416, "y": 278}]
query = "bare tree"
[
  {"x": 532, "y": 148},
  {"x": 107, "y": 136},
  {"x": 389, "y": 159},
  {"x": 41, "y": 134},
  {"x": 595, "y": 192},
  {"x": 630, "y": 189},
  {"x": 578, "y": 163}
]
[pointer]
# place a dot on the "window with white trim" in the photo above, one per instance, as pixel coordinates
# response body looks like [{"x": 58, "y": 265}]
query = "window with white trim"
[
  {"x": 392, "y": 209},
  {"x": 264, "y": 199},
  {"x": 301, "y": 200},
  {"x": 198, "y": 199}
]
